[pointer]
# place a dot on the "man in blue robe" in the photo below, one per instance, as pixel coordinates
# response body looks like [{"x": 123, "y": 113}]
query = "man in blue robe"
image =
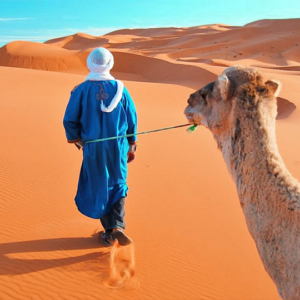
[{"x": 99, "y": 108}]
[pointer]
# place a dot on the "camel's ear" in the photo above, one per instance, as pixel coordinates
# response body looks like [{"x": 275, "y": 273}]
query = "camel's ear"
[
  {"x": 274, "y": 86},
  {"x": 224, "y": 86}
]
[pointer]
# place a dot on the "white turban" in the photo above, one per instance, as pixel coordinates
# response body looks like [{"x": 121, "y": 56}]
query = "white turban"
[{"x": 100, "y": 61}]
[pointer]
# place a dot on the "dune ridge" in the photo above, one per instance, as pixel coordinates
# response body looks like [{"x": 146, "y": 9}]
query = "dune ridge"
[
  {"x": 276, "y": 46},
  {"x": 182, "y": 212}
]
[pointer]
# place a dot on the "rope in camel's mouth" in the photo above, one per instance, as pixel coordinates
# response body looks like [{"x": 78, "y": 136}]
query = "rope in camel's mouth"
[{"x": 190, "y": 130}]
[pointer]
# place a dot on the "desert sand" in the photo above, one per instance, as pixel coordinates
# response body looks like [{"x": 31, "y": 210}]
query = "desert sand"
[{"x": 182, "y": 212}]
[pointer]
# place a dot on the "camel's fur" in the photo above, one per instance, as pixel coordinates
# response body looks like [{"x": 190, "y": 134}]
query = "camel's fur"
[{"x": 240, "y": 108}]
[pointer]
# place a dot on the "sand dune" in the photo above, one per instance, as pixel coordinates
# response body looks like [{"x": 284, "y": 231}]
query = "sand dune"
[
  {"x": 190, "y": 237},
  {"x": 266, "y": 43}
]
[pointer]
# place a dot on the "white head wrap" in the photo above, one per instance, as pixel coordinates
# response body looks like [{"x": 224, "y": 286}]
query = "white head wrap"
[{"x": 100, "y": 61}]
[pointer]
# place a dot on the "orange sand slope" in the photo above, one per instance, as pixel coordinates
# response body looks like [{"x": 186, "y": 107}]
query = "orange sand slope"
[
  {"x": 190, "y": 237},
  {"x": 177, "y": 53}
]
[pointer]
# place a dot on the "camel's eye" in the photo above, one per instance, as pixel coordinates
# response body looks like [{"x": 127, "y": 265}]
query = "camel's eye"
[{"x": 261, "y": 90}]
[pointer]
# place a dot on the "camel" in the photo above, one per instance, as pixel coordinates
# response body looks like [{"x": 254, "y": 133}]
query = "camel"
[{"x": 240, "y": 108}]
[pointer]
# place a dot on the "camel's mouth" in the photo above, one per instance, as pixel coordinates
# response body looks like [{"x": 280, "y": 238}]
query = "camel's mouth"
[
  {"x": 191, "y": 117},
  {"x": 189, "y": 114}
]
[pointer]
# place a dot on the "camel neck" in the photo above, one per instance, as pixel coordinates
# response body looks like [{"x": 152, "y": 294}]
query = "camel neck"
[
  {"x": 268, "y": 194},
  {"x": 253, "y": 159}
]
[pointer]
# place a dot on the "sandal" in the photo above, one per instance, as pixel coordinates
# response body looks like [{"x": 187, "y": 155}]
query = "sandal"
[
  {"x": 106, "y": 238},
  {"x": 122, "y": 239}
]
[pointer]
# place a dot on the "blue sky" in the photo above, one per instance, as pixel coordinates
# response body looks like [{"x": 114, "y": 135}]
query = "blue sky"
[{"x": 41, "y": 20}]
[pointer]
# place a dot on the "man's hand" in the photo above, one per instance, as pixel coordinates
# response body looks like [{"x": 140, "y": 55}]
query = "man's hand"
[
  {"x": 130, "y": 157},
  {"x": 131, "y": 153},
  {"x": 79, "y": 144}
]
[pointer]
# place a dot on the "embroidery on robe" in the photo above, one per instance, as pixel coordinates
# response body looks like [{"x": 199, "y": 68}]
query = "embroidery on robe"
[{"x": 102, "y": 95}]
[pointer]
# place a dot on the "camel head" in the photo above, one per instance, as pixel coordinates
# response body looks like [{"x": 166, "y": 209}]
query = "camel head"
[{"x": 215, "y": 105}]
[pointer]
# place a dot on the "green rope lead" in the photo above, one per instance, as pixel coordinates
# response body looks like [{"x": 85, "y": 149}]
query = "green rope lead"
[{"x": 191, "y": 129}]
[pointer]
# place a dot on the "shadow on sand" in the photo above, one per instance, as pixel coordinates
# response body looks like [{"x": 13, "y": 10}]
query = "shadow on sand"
[{"x": 16, "y": 266}]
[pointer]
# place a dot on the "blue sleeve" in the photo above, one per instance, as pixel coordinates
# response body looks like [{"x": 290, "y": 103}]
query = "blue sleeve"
[
  {"x": 72, "y": 117},
  {"x": 131, "y": 116}
]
